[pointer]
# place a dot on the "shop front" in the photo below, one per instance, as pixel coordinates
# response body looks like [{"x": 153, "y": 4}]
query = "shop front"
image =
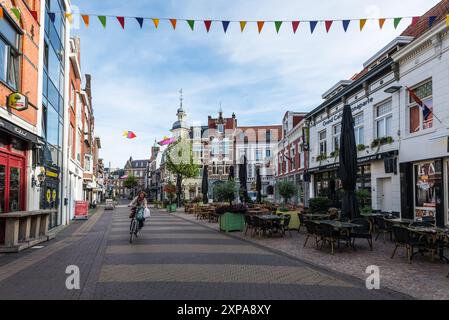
[
  {"x": 50, "y": 194},
  {"x": 425, "y": 190}
]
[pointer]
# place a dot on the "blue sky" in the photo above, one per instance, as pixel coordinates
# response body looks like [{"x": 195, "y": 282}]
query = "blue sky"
[{"x": 137, "y": 73}]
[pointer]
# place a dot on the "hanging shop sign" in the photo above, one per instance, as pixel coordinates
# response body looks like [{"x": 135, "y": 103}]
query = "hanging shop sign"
[{"x": 18, "y": 101}]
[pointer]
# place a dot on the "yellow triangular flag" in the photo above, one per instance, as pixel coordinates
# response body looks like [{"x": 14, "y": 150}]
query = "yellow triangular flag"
[
  {"x": 69, "y": 17},
  {"x": 447, "y": 20},
  {"x": 156, "y": 22},
  {"x": 242, "y": 25},
  {"x": 86, "y": 20},
  {"x": 362, "y": 24},
  {"x": 125, "y": 133}
]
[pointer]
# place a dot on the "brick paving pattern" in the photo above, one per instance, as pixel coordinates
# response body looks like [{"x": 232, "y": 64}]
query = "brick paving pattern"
[{"x": 173, "y": 258}]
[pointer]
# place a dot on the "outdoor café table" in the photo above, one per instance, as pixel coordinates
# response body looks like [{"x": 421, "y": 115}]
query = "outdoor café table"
[
  {"x": 315, "y": 216},
  {"x": 401, "y": 221},
  {"x": 270, "y": 218},
  {"x": 435, "y": 235},
  {"x": 373, "y": 218},
  {"x": 342, "y": 227}
]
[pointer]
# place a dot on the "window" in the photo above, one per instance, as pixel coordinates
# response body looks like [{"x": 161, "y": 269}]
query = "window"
[
  {"x": 322, "y": 147},
  {"x": 384, "y": 119},
  {"x": 9, "y": 54},
  {"x": 268, "y": 136},
  {"x": 293, "y": 158},
  {"x": 359, "y": 129},
  {"x": 197, "y": 133},
  {"x": 215, "y": 147},
  {"x": 421, "y": 108},
  {"x": 88, "y": 163},
  {"x": 225, "y": 146},
  {"x": 258, "y": 155},
  {"x": 78, "y": 145},
  {"x": 220, "y": 128},
  {"x": 336, "y": 133},
  {"x": 268, "y": 153},
  {"x": 425, "y": 189},
  {"x": 72, "y": 95}
]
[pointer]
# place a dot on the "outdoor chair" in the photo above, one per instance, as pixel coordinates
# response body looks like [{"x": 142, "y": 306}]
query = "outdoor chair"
[
  {"x": 249, "y": 225},
  {"x": 327, "y": 235},
  {"x": 404, "y": 238},
  {"x": 312, "y": 231},
  {"x": 285, "y": 224},
  {"x": 384, "y": 227},
  {"x": 365, "y": 231},
  {"x": 425, "y": 224},
  {"x": 396, "y": 214},
  {"x": 260, "y": 226},
  {"x": 301, "y": 221}
]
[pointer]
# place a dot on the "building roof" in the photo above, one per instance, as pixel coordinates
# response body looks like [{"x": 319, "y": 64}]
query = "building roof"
[
  {"x": 440, "y": 11},
  {"x": 137, "y": 164}
]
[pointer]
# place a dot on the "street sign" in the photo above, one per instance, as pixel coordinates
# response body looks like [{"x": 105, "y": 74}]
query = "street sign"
[
  {"x": 18, "y": 101},
  {"x": 81, "y": 210}
]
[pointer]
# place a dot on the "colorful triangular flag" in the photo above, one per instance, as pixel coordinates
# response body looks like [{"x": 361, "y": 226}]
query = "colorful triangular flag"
[
  {"x": 52, "y": 16},
  {"x": 313, "y": 25},
  {"x": 207, "y": 24},
  {"x": 140, "y": 21},
  {"x": 69, "y": 17},
  {"x": 16, "y": 12},
  {"x": 278, "y": 25},
  {"x": 396, "y": 22},
  {"x": 346, "y": 24},
  {"x": 121, "y": 20},
  {"x": 295, "y": 25},
  {"x": 225, "y": 25},
  {"x": 86, "y": 20},
  {"x": 432, "y": 20},
  {"x": 173, "y": 23},
  {"x": 328, "y": 24},
  {"x": 242, "y": 25},
  {"x": 1, "y": 13},
  {"x": 260, "y": 25},
  {"x": 33, "y": 13},
  {"x": 381, "y": 22},
  {"x": 155, "y": 22},
  {"x": 102, "y": 20},
  {"x": 131, "y": 135},
  {"x": 362, "y": 24},
  {"x": 415, "y": 21},
  {"x": 191, "y": 24}
]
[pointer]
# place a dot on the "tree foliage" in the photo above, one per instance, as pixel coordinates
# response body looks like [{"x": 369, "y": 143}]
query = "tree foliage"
[
  {"x": 225, "y": 192},
  {"x": 131, "y": 182},
  {"x": 180, "y": 160},
  {"x": 287, "y": 189}
]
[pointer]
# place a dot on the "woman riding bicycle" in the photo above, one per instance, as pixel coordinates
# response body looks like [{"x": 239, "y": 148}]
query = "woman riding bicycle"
[{"x": 139, "y": 204}]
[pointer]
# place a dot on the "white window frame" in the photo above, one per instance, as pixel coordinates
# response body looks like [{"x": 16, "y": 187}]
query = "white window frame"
[
  {"x": 336, "y": 134},
  {"x": 411, "y": 104},
  {"x": 358, "y": 128},
  {"x": 383, "y": 118},
  {"x": 292, "y": 157},
  {"x": 322, "y": 143}
]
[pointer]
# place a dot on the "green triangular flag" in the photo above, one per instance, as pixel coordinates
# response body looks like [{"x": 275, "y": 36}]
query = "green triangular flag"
[
  {"x": 396, "y": 22},
  {"x": 278, "y": 25},
  {"x": 191, "y": 24},
  {"x": 102, "y": 20},
  {"x": 16, "y": 12}
]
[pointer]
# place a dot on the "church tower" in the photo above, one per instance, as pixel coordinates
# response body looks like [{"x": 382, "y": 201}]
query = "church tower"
[{"x": 180, "y": 127}]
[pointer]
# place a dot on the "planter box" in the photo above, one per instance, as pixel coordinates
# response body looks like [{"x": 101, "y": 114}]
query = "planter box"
[
  {"x": 294, "y": 221},
  {"x": 171, "y": 208},
  {"x": 231, "y": 222}
]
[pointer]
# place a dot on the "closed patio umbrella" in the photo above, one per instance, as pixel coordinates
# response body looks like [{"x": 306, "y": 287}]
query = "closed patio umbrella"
[
  {"x": 347, "y": 170},
  {"x": 205, "y": 185},
  {"x": 231, "y": 173},
  {"x": 259, "y": 186},
  {"x": 243, "y": 180}
]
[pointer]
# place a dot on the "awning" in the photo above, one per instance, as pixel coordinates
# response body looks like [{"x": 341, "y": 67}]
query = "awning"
[
  {"x": 20, "y": 132},
  {"x": 440, "y": 134}
]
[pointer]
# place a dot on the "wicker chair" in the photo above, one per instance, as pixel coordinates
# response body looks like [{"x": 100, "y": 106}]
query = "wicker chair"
[
  {"x": 249, "y": 224},
  {"x": 327, "y": 234},
  {"x": 365, "y": 231},
  {"x": 312, "y": 231},
  {"x": 285, "y": 224},
  {"x": 384, "y": 227},
  {"x": 404, "y": 238}
]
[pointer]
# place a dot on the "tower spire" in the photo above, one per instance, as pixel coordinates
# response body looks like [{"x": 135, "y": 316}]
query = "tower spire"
[{"x": 180, "y": 98}]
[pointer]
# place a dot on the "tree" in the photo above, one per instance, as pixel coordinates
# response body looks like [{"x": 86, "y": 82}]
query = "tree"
[
  {"x": 181, "y": 163},
  {"x": 287, "y": 189},
  {"x": 225, "y": 192},
  {"x": 131, "y": 182}
]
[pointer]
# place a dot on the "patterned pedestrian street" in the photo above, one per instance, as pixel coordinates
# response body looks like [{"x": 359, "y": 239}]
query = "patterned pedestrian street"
[{"x": 172, "y": 259}]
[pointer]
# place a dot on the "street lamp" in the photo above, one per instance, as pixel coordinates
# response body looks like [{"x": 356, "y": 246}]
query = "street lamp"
[{"x": 393, "y": 89}]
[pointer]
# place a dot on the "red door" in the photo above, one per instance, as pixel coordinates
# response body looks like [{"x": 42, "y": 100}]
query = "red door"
[{"x": 12, "y": 183}]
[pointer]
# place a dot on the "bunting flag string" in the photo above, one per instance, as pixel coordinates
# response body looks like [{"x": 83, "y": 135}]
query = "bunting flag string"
[{"x": 328, "y": 23}]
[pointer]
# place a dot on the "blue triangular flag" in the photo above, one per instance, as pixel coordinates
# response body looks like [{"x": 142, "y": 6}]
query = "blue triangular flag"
[
  {"x": 52, "y": 16},
  {"x": 431, "y": 20},
  {"x": 346, "y": 24},
  {"x": 313, "y": 26},
  {"x": 225, "y": 25},
  {"x": 140, "y": 21}
]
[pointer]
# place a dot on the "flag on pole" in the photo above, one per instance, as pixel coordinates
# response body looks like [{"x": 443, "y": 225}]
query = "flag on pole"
[
  {"x": 427, "y": 112},
  {"x": 166, "y": 141}
]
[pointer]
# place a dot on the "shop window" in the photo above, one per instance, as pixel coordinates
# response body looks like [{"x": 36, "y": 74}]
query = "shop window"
[
  {"x": 425, "y": 187},
  {"x": 384, "y": 119},
  {"x": 421, "y": 108},
  {"x": 9, "y": 54},
  {"x": 322, "y": 142},
  {"x": 4, "y": 142}
]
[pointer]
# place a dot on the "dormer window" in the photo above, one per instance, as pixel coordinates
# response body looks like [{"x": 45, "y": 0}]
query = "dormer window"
[{"x": 220, "y": 128}]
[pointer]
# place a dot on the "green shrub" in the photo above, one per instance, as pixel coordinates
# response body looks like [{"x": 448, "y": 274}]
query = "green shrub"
[
  {"x": 319, "y": 205},
  {"x": 225, "y": 192},
  {"x": 287, "y": 189}
]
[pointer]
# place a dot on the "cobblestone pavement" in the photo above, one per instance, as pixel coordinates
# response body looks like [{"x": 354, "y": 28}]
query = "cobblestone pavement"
[
  {"x": 422, "y": 279},
  {"x": 173, "y": 258}
]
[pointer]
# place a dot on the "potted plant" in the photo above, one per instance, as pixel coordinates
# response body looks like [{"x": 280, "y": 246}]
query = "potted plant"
[
  {"x": 170, "y": 189},
  {"x": 379, "y": 142},
  {"x": 230, "y": 217},
  {"x": 319, "y": 205},
  {"x": 288, "y": 189},
  {"x": 361, "y": 147},
  {"x": 322, "y": 157}
]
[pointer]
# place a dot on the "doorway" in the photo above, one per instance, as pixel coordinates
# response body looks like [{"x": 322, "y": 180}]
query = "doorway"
[
  {"x": 12, "y": 183},
  {"x": 384, "y": 199}
]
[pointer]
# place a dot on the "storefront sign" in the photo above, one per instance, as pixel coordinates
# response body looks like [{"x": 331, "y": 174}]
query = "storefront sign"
[
  {"x": 355, "y": 108},
  {"x": 18, "y": 101},
  {"x": 81, "y": 210},
  {"x": 20, "y": 132}
]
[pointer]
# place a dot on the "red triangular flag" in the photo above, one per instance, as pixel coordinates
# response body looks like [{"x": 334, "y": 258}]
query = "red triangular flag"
[
  {"x": 121, "y": 20},
  {"x": 173, "y": 23},
  {"x": 207, "y": 23},
  {"x": 131, "y": 135},
  {"x": 34, "y": 14},
  {"x": 328, "y": 25},
  {"x": 295, "y": 25},
  {"x": 415, "y": 20}
]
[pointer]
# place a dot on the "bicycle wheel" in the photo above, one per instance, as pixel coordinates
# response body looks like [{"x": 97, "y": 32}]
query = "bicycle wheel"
[{"x": 132, "y": 230}]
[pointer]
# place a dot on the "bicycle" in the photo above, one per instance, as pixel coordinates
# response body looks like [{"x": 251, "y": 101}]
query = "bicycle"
[{"x": 134, "y": 227}]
